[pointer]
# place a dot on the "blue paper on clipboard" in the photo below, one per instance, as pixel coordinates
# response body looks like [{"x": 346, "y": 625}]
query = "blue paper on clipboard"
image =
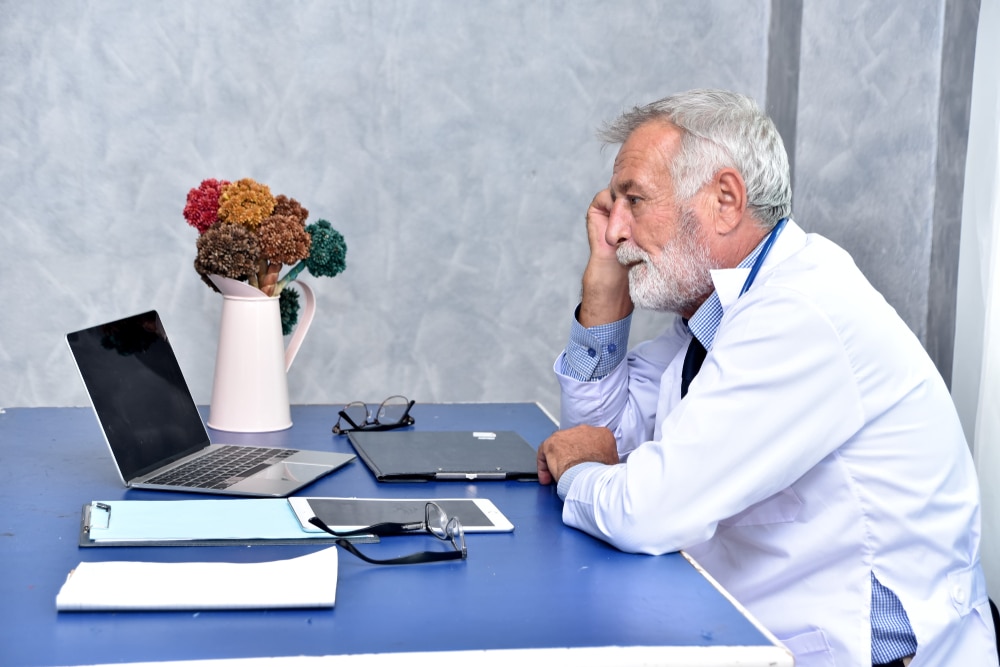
[{"x": 192, "y": 522}]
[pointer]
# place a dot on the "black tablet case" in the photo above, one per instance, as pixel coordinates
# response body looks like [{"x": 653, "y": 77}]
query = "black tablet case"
[{"x": 416, "y": 456}]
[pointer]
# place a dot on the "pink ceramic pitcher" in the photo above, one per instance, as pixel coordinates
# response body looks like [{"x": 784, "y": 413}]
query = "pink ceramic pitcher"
[{"x": 250, "y": 392}]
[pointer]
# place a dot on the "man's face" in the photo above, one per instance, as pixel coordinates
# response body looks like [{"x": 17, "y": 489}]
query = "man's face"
[
  {"x": 675, "y": 280},
  {"x": 659, "y": 238}
]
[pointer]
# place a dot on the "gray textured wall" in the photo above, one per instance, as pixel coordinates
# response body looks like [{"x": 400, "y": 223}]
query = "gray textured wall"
[
  {"x": 883, "y": 113},
  {"x": 451, "y": 143}
]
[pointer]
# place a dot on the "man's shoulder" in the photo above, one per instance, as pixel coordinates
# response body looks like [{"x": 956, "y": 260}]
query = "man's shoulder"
[{"x": 819, "y": 265}]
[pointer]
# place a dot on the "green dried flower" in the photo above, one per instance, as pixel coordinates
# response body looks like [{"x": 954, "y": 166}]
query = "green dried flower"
[
  {"x": 288, "y": 306},
  {"x": 328, "y": 255}
]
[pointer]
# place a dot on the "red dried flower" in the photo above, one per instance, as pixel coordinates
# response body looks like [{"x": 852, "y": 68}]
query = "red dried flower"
[{"x": 202, "y": 207}]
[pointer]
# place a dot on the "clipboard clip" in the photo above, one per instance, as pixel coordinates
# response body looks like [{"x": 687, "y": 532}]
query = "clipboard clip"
[{"x": 99, "y": 516}]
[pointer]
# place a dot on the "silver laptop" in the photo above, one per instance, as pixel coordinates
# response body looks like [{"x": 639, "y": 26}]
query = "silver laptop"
[{"x": 154, "y": 430}]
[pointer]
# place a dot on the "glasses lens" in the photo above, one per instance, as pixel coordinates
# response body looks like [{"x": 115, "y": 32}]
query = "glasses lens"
[
  {"x": 437, "y": 521},
  {"x": 392, "y": 410},
  {"x": 456, "y": 533},
  {"x": 358, "y": 413}
]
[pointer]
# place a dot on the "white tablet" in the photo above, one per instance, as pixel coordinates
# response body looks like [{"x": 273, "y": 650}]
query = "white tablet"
[{"x": 478, "y": 515}]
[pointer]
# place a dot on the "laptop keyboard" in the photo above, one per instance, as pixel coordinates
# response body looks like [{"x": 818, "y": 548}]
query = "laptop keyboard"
[{"x": 224, "y": 467}]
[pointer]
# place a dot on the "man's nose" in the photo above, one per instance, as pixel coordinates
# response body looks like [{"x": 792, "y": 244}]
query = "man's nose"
[{"x": 619, "y": 223}]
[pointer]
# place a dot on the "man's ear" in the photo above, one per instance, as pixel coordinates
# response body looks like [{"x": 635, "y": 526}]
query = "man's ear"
[{"x": 728, "y": 200}]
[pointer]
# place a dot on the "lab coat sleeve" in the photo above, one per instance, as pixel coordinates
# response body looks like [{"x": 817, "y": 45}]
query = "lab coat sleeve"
[
  {"x": 775, "y": 395},
  {"x": 625, "y": 400}
]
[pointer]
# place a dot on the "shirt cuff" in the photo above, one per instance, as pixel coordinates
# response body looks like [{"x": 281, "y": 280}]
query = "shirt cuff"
[
  {"x": 593, "y": 353},
  {"x": 569, "y": 475}
]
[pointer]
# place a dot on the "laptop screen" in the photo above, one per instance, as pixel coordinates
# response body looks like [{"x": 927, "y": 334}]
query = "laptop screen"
[{"x": 138, "y": 392}]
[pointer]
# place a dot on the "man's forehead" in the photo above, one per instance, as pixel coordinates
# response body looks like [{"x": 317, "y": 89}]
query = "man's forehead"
[{"x": 645, "y": 156}]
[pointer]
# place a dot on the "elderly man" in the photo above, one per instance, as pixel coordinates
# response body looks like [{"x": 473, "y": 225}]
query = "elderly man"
[{"x": 815, "y": 465}]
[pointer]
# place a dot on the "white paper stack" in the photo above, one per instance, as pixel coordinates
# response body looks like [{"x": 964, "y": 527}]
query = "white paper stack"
[{"x": 306, "y": 581}]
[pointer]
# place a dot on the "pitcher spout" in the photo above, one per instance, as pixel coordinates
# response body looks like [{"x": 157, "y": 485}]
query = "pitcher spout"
[{"x": 230, "y": 287}]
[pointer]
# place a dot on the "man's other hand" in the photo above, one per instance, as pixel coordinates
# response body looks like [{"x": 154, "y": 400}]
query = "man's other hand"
[{"x": 580, "y": 444}]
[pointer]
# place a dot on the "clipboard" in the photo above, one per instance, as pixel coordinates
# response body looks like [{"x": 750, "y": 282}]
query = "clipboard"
[
  {"x": 202, "y": 522},
  {"x": 457, "y": 456}
]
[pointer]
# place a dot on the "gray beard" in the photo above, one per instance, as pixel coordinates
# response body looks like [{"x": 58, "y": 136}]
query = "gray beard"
[{"x": 678, "y": 279}]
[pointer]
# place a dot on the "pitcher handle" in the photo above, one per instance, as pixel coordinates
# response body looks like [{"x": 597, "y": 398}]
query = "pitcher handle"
[{"x": 305, "y": 319}]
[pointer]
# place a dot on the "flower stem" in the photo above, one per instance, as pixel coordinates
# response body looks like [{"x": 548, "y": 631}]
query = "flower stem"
[
  {"x": 269, "y": 279},
  {"x": 292, "y": 274}
]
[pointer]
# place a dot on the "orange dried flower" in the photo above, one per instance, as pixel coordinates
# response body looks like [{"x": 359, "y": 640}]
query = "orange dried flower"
[{"x": 245, "y": 202}]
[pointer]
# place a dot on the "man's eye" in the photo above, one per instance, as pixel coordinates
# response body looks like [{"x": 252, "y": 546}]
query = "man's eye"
[{"x": 632, "y": 200}]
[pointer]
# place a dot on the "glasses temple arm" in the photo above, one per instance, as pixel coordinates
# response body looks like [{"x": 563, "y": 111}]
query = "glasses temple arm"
[
  {"x": 378, "y": 529},
  {"x": 343, "y": 415},
  {"x": 412, "y": 559}
]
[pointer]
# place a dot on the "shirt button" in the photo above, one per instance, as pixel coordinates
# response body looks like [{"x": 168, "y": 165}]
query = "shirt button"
[
  {"x": 958, "y": 594},
  {"x": 592, "y": 352},
  {"x": 612, "y": 348}
]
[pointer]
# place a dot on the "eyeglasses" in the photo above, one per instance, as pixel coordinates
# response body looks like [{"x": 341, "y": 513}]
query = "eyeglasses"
[
  {"x": 393, "y": 412},
  {"x": 435, "y": 522}
]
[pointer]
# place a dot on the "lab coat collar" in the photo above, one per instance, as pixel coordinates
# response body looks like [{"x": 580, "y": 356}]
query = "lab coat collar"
[{"x": 729, "y": 282}]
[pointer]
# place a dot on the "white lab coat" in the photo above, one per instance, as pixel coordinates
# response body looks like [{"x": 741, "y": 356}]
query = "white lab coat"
[{"x": 817, "y": 444}]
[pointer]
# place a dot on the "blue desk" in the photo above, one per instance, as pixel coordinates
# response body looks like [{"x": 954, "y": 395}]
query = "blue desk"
[{"x": 543, "y": 592}]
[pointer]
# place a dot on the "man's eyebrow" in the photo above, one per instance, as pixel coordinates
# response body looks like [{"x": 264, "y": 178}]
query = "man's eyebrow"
[{"x": 625, "y": 186}]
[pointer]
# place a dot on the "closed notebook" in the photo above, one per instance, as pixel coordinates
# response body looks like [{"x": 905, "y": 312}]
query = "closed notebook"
[{"x": 410, "y": 456}]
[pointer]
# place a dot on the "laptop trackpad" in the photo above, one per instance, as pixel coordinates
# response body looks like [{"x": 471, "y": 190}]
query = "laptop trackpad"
[
  {"x": 280, "y": 479},
  {"x": 291, "y": 471}
]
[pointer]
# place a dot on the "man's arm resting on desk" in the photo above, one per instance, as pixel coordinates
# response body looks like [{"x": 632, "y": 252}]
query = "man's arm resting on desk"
[
  {"x": 566, "y": 481},
  {"x": 617, "y": 387},
  {"x": 581, "y": 444}
]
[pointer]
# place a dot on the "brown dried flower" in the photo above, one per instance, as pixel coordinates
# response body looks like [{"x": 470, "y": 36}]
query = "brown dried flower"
[
  {"x": 228, "y": 250},
  {"x": 287, "y": 206},
  {"x": 283, "y": 239}
]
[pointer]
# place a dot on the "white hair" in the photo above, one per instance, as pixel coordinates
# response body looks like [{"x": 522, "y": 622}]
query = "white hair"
[{"x": 719, "y": 129}]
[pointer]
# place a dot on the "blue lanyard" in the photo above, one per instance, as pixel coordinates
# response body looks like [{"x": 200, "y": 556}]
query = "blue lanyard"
[{"x": 763, "y": 253}]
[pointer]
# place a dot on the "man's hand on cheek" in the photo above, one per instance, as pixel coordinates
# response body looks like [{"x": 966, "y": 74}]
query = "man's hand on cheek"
[{"x": 580, "y": 444}]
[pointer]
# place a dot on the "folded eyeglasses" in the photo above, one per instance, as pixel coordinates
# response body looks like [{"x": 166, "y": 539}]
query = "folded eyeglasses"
[
  {"x": 435, "y": 522},
  {"x": 393, "y": 412}
]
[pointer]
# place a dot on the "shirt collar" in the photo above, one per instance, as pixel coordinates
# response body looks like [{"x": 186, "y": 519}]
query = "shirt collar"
[{"x": 728, "y": 283}]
